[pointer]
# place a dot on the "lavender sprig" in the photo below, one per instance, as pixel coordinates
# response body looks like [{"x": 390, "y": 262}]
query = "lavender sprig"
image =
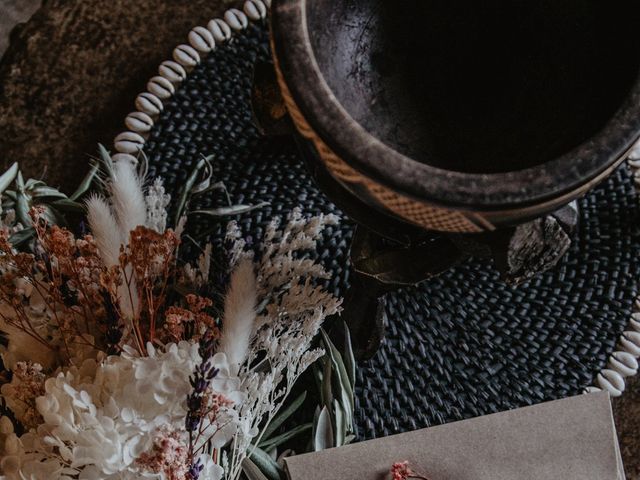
[
  {"x": 204, "y": 373},
  {"x": 113, "y": 334}
]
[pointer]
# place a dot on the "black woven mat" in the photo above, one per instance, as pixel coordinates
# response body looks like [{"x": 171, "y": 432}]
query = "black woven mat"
[{"x": 458, "y": 346}]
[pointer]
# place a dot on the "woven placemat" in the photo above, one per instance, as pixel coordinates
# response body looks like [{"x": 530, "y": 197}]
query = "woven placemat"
[{"x": 460, "y": 345}]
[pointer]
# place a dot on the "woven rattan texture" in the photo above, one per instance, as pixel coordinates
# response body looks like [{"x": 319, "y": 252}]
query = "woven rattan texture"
[{"x": 458, "y": 346}]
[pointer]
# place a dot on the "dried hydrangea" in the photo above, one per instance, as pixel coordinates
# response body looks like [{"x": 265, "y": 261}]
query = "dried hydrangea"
[{"x": 102, "y": 419}]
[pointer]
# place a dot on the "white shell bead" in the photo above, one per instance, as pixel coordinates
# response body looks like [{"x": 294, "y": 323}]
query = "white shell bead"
[
  {"x": 220, "y": 30},
  {"x": 635, "y": 324},
  {"x": 148, "y": 103},
  {"x": 172, "y": 71},
  {"x": 255, "y": 9},
  {"x": 635, "y": 152},
  {"x": 186, "y": 55},
  {"x": 129, "y": 142},
  {"x": 630, "y": 342},
  {"x": 611, "y": 381},
  {"x": 236, "y": 19},
  {"x": 591, "y": 390},
  {"x": 201, "y": 39},
  {"x": 125, "y": 157},
  {"x": 634, "y": 162},
  {"x": 267, "y": 3},
  {"x": 624, "y": 363},
  {"x": 138, "y": 122},
  {"x": 161, "y": 87}
]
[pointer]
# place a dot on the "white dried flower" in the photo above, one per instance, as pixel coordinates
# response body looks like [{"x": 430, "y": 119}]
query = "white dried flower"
[
  {"x": 157, "y": 201},
  {"x": 293, "y": 307},
  {"x": 239, "y": 314},
  {"x": 100, "y": 418}
]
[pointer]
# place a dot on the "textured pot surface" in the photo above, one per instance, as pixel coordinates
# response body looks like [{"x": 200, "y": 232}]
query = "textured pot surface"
[{"x": 461, "y": 119}]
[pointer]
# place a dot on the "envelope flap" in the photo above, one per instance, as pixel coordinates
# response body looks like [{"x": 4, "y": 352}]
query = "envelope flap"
[{"x": 570, "y": 439}]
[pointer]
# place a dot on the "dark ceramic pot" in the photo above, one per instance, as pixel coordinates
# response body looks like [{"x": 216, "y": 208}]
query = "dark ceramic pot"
[
  {"x": 459, "y": 116},
  {"x": 456, "y": 128}
]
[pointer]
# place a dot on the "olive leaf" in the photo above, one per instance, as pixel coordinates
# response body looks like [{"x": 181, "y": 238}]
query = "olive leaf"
[
  {"x": 252, "y": 471},
  {"x": 285, "y": 437},
  {"x": 191, "y": 186},
  {"x": 335, "y": 379},
  {"x": 22, "y": 236},
  {"x": 283, "y": 416},
  {"x": 341, "y": 427},
  {"x": 349, "y": 357},
  {"x": 44, "y": 192},
  {"x": 323, "y": 437},
  {"x": 86, "y": 182},
  {"x": 267, "y": 465},
  {"x": 227, "y": 211},
  {"x": 8, "y": 177},
  {"x": 22, "y": 203},
  {"x": 67, "y": 205}
]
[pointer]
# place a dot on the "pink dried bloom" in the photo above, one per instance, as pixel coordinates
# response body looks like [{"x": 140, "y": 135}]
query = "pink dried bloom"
[
  {"x": 168, "y": 455},
  {"x": 402, "y": 471}
]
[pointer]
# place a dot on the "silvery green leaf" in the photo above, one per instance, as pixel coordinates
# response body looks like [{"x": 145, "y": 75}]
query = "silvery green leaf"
[
  {"x": 32, "y": 183},
  {"x": 327, "y": 390},
  {"x": 22, "y": 236},
  {"x": 207, "y": 173},
  {"x": 283, "y": 416},
  {"x": 340, "y": 371},
  {"x": 22, "y": 206},
  {"x": 349, "y": 358},
  {"x": 213, "y": 187},
  {"x": 251, "y": 470},
  {"x": 12, "y": 194},
  {"x": 8, "y": 177},
  {"x": 340, "y": 432},
  {"x": 286, "y": 454},
  {"x": 187, "y": 190},
  {"x": 265, "y": 463},
  {"x": 227, "y": 211},
  {"x": 86, "y": 182},
  {"x": 316, "y": 416},
  {"x": 317, "y": 374},
  {"x": 67, "y": 205},
  {"x": 43, "y": 192},
  {"x": 20, "y": 181},
  {"x": 324, "y": 431},
  {"x": 285, "y": 437},
  {"x": 105, "y": 157},
  {"x": 52, "y": 216}
]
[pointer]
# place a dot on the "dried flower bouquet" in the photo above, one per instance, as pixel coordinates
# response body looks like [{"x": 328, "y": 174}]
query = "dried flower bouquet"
[{"x": 120, "y": 363}]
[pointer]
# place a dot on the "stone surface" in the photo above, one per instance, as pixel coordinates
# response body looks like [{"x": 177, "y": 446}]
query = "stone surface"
[
  {"x": 71, "y": 75},
  {"x": 13, "y": 12}
]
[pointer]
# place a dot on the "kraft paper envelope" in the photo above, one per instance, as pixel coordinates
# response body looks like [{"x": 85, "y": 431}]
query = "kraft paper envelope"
[{"x": 570, "y": 439}]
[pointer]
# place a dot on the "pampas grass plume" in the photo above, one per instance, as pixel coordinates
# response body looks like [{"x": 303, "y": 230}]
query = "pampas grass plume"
[
  {"x": 105, "y": 230},
  {"x": 127, "y": 198},
  {"x": 239, "y": 314}
]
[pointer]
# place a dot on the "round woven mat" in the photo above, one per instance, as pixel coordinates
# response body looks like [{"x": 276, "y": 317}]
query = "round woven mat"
[{"x": 460, "y": 345}]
